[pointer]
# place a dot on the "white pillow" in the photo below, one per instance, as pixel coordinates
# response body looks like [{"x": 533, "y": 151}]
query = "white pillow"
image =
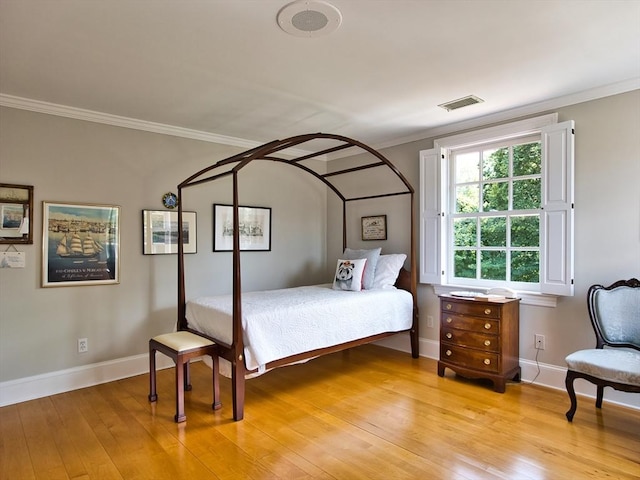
[
  {"x": 387, "y": 270},
  {"x": 372, "y": 261},
  {"x": 348, "y": 274}
]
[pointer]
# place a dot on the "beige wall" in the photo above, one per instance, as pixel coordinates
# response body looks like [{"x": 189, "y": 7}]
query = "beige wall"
[
  {"x": 75, "y": 161},
  {"x": 607, "y": 224}
]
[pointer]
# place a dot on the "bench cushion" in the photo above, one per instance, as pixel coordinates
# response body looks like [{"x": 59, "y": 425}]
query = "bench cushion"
[{"x": 182, "y": 341}]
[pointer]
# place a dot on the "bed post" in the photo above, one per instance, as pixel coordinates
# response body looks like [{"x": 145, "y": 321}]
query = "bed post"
[
  {"x": 414, "y": 334},
  {"x": 182, "y": 321},
  {"x": 344, "y": 226},
  {"x": 237, "y": 363},
  {"x": 237, "y": 389}
]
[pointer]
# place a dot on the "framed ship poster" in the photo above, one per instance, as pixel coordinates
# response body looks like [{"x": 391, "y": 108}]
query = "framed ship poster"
[{"x": 80, "y": 244}]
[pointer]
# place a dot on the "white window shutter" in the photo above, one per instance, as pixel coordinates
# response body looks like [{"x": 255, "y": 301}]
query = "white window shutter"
[
  {"x": 430, "y": 216},
  {"x": 556, "y": 226}
]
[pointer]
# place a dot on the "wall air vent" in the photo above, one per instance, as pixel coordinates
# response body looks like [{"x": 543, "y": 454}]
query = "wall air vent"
[{"x": 461, "y": 102}]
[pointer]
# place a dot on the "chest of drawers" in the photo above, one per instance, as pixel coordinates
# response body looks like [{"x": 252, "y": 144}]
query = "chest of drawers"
[{"x": 480, "y": 339}]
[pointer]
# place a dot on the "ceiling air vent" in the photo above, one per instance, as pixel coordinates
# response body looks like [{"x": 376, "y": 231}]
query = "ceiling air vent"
[{"x": 461, "y": 102}]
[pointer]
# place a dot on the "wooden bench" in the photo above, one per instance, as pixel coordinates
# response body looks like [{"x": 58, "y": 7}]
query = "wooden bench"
[{"x": 181, "y": 347}]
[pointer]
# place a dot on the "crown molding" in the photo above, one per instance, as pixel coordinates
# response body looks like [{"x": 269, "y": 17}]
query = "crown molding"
[
  {"x": 164, "y": 129},
  {"x": 39, "y": 106},
  {"x": 523, "y": 111}
]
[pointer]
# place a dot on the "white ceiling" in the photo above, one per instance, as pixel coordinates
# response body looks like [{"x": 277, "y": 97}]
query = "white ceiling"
[{"x": 224, "y": 67}]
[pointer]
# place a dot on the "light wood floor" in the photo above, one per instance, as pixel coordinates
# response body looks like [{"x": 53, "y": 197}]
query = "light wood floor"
[{"x": 372, "y": 413}]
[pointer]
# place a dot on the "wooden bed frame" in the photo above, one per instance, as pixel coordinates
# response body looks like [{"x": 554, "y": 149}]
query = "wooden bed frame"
[{"x": 231, "y": 166}]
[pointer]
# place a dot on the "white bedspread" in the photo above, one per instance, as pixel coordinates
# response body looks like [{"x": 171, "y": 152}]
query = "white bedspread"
[{"x": 281, "y": 323}]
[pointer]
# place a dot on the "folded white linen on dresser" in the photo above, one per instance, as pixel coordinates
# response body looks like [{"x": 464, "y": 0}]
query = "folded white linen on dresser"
[{"x": 281, "y": 323}]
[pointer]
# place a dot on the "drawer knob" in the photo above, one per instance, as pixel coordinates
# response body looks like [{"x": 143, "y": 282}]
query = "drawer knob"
[
  {"x": 449, "y": 320},
  {"x": 487, "y": 343},
  {"x": 487, "y": 311},
  {"x": 448, "y": 353},
  {"x": 487, "y": 326},
  {"x": 448, "y": 306},
  {"x": 487, "y": 361},
  {"x": 449, "y": 335}
]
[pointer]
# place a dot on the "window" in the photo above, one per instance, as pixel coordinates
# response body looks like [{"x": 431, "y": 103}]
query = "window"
[
  {"x": 497, "y": 208},
  {"x": 494, "y": 225}
]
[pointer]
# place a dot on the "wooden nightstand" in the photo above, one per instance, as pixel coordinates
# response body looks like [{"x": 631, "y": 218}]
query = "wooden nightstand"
[{"x": 480, "y": 339}]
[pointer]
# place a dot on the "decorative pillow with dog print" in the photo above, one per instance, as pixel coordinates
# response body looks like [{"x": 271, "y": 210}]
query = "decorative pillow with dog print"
[{"x": 348, "y": 274}]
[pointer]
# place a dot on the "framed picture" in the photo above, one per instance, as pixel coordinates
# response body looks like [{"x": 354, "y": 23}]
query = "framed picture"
[
  {"x": 160, "y": 232},
  {"x": 16, "y": 213},
  {"x": 80, "y": 244},
  {"x": 374, "y": 227},
  {"x": 254, "y": 225}
]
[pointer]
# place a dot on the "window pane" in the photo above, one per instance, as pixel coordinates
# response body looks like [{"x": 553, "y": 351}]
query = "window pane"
[
  {"x": 525, "y": 231},
  {"x": 526, "y": 194},
  {"x": 465, "y": 232},
  {"x": 493, "y": 265},
  {"x": 495, "y": 163},
  {"x": 495, "y": 197},
  {"x": 525, "y": 267},
  {"x": 467, "y": 198},
  {"x": 467, "y": 167},
  {"x": 493, "y": 232},
  {"x": 464, "y": 263},
  {"x": 526, "y": 159}
]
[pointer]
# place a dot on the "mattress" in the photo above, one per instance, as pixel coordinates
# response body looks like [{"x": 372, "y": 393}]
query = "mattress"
[{"x": 280, "y": 323}]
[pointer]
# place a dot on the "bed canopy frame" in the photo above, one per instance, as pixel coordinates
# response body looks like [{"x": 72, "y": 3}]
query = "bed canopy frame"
[{"x": 274, "y": 151}]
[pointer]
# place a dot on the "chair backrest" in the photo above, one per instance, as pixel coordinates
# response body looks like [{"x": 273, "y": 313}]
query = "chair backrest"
[{"x": 615, "y": 313}]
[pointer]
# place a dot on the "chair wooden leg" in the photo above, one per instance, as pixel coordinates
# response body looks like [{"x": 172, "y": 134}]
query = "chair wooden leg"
[
  {"x": 599, "y": 396},
  {"x": 180, "y": 379},
  {"x": 572, "y": 395},
  {"x": 153, "y": 396}
]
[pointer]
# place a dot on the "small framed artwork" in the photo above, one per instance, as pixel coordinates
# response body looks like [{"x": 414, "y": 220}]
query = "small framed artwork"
[
  {"x": 80, "y": 244},
  {"x": 160, "y": 232},
  {"x": 254, "y": 226},
  {"x": 16, "y": 214},
  {"x": 374, "y": 227}
]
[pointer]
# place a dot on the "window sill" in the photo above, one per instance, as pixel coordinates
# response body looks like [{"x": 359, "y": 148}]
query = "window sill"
[{"x": 526, "y": 298}]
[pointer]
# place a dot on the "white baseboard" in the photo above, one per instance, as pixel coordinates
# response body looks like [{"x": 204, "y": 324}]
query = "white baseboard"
[
  {"x": 543, "y": 374},
  {"x": 38, "y": 386}
]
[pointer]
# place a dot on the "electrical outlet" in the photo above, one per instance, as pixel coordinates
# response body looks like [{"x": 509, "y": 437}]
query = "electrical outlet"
[
  {"x": 539, "y": 342},
  {"x": 430, "y": 321},
  {"x": 83, "y": 345}
]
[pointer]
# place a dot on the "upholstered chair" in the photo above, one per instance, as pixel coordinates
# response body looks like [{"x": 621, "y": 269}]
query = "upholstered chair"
[{"x": 615, "y": 361}]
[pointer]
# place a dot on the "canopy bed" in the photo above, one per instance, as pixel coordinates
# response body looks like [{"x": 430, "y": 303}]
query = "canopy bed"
[{"x": 234, "y": 321}]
